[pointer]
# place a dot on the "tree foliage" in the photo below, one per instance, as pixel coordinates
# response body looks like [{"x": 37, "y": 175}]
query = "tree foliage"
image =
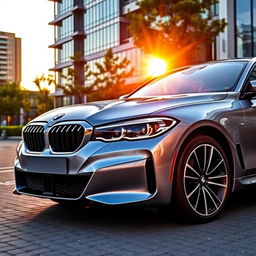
[
  {"x": 79, "y": 90},
  {"x": 26, "y": 105},
  {"x": 11, "y": 97},
  {"x": 165, "y": 27},
  {"x": 45, "y": 101},
  {"x": 109, "y": 79}
]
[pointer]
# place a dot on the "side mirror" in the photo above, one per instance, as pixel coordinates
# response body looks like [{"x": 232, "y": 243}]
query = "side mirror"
[{"x": 124, "y": 96}]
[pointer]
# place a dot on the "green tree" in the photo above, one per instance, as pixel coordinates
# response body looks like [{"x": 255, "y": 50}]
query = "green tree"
[
  {"x": 174, "y": 27},
  {"x": 45, "y": 101},
  {"x": 109, "y": 79},
  {"x": 77, "y": 90},
  {"x": 11, "y": 99},
  {"x": 26, "y": 105}
]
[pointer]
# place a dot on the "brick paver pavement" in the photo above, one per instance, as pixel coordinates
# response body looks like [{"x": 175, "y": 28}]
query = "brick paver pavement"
[{"x": 31, "y": 226}]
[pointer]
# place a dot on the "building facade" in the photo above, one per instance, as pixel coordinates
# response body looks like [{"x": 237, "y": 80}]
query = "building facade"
[
  {"x": 87, "y": 28},
  {"x": 239, "y": 37},
  {"x": 10, "y": 58}
]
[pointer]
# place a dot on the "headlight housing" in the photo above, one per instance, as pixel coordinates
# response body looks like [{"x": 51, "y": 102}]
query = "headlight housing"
[{"x": 144, "y": 128}]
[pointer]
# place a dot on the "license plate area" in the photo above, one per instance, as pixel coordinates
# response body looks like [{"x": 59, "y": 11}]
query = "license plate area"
[{"x": 47, "y": 165}]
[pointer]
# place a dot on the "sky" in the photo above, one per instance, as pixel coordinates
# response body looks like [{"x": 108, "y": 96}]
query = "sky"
[{"x": 29, "y": 19}]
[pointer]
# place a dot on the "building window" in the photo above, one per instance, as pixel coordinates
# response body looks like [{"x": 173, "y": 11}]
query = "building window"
[
  {"x": 63, "y": 7},
  {"x": 88, "y": 1},
  {"x": 134, "y": 55},
  {"x": 102, "y": 39},
  {"x": 63, "y": 101},
  {"x": 65, "y": 54},
  {"x": 3, "y": 41},
  {"x": 135, "y": 58},
  {"x": 215, "y": 10},
  {"x": 245, "y": 22},
  {"x": 66, "y": 29},
  {"x": 100, "y": 13},
  {"x": 64, "y": 78},
  {"x": 66, "y": 100}
]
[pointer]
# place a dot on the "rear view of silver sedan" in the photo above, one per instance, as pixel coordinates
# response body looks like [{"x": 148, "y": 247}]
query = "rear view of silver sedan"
[{"x": 188, "y": 137}]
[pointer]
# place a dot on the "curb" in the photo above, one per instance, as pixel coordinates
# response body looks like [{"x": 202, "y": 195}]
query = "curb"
[{"x": 11, "y": 138}]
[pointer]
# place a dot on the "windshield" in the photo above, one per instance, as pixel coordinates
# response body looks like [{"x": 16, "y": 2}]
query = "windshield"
[{"x": 210, "y": 77}]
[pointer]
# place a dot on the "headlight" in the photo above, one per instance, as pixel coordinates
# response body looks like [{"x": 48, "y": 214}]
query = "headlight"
[{"x": 135, "y": 129}]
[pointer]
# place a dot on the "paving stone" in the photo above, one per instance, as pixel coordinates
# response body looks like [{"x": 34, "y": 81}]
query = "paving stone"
[{"x": 37, "y": 227}]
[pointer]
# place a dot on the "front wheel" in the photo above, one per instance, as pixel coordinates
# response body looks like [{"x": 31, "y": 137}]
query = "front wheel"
[{"x": 202, "y": 180}]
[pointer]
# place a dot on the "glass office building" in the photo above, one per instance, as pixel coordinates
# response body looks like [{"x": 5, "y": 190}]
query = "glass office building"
[
  {"x": 245, "y": 28},
  {"x": 239, "y": 38},
  {"x": 87, "y": 28}
]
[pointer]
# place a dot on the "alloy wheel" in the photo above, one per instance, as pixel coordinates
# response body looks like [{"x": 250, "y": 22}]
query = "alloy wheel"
[{"x": 205, "y": 179}]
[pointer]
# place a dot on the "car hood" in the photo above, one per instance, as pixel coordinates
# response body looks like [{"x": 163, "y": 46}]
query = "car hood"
[{"x": 101, "y": 112}]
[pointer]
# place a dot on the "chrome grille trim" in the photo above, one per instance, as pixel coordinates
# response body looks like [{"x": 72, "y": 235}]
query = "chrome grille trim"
[{"x": 69, "y": 136}]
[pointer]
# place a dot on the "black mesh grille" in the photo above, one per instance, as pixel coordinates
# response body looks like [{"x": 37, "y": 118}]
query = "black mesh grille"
[
  {"x": 67, "y": 186},
  {"x": 66, "y": 138},
  {"x": 34, "y": 183},
  {"x": 34, "y": 137}
]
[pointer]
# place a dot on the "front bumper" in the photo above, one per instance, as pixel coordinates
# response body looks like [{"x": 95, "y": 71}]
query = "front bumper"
[
  {"x": 122, "y": 183},
  {"x": 109, "y": 173}
]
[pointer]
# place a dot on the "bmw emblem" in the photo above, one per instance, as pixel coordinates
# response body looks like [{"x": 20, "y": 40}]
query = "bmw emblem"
[{"x": 58, "y": 116}]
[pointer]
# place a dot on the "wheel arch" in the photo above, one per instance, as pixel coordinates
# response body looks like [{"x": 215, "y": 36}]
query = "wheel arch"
[{"x": 213, "y": 130}]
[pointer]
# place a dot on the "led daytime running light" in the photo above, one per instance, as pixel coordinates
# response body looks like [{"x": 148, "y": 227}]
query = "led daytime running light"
[{"x": 134, "y": 130}]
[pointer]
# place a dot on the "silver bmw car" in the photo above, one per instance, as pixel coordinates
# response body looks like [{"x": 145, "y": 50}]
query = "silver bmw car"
[{"x": 188, "y": 137}]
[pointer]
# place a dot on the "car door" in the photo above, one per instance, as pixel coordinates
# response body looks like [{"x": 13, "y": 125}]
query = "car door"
[{"x": 248, "y": 139}]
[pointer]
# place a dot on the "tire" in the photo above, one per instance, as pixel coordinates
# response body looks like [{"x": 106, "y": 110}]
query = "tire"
[{"x": 202, "y": 180}]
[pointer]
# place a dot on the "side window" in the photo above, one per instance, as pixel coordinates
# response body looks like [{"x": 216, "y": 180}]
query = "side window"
[{"x": 251, "y": 77}]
